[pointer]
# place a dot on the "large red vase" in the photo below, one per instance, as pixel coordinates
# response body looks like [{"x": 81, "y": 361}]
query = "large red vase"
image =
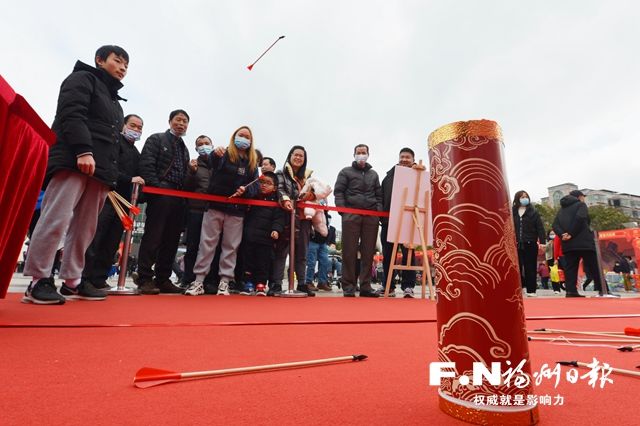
[{"x": 479, "y": 298}]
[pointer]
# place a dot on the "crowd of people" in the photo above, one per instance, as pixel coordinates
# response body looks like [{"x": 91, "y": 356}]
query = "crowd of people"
[{"x": 230, "y": 246}]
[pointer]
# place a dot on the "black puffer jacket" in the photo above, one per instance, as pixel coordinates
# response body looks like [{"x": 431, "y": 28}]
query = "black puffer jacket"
[
  {"x": 198, "y": 181},
  {"x": 529, "y": 227},
  {"x": 573, "y": 218},
  {"x": 88, "y": 119},
  {"x": 158, "y": 153},
  {"x": 260, "y": 221},
  {"x": 226, "y": 178},
  {"x": 128, "y": 167},
  {"x": 358, "y": 188},
  {"x": 387, "y": 189}
]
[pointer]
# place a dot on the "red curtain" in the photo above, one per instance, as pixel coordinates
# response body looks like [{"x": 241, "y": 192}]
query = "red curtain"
[{"x": 24, "y": 146}]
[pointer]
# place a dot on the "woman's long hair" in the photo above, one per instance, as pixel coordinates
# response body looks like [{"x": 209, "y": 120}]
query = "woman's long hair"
[
  {"x": 234, "y": 153},
  {"x": 303, "y": 168},
  {"x": 516, "y": 198}
]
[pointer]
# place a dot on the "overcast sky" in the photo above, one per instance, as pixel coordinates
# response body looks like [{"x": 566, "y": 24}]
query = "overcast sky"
[{"x": 562, "y": 78}]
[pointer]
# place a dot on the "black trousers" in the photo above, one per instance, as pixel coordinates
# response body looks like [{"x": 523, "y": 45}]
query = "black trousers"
[
  {"x": 194, "y": 228},
  {"x": 590, "y": 265},
  {"x": 101, "y": 253},
  {"x": 257, "y": 269},
  {"x": 162, "y": 228},
  {"x": 528, "y": 259},
  {"x": 408, "y": 277}
]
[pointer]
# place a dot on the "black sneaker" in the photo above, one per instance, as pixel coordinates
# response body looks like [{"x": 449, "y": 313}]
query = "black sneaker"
[
  {"x": 235, "y": 287},
  {"x": 101, "y": 285},
  {"x": 210, "y": 288},
  {"x": 148, "y": 287},
  {"x": 167, "y": 287},
  {"x": 274, "y": 289},
  {"x": 304, "y": 288},
  {"x": 43, "y": 292},
  {"x": 84, "y": 291}
]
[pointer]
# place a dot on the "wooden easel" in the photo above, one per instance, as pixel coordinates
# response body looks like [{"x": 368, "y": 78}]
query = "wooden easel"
[{"x": 416, "y": 212}]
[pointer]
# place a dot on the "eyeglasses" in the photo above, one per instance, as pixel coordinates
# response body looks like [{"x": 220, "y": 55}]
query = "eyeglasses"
[{"x": 266, "y": 184}]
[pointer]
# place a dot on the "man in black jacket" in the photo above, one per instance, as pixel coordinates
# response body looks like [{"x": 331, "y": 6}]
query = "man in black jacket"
[
  {"x": 163, "y": 164},
  {"x": 406, "y": 159},
  {"x": 572, "y": 224},
  {"x": 101, "y": 253},
  {"x": 358, "y": 186},
  {"x": 82, "y": 168}
]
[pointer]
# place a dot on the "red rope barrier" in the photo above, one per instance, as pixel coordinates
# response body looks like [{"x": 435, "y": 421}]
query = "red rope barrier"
[{"x": 250, "y": 202}]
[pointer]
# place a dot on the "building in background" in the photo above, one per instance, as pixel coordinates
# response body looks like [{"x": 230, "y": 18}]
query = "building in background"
[{"x": 629, "y": 204}]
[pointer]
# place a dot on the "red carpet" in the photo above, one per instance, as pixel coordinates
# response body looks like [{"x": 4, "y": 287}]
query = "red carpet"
[{"x": 84, "y": 375}]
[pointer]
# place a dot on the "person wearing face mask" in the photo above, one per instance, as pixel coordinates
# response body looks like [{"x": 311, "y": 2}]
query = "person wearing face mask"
[
  {"x": 197, "y": 180},
  {"x": 100, "y": 254},
  {"x": 232, "y": 173},
  {"x": 164, "y": 162},
  {"x": 529, "y": 231},
  {"x": 358, "y": 186}
]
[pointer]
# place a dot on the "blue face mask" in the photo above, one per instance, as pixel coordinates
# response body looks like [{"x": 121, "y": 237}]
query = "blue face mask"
[
  {"x": 131, "y": 135},
  {"x": 524, "y": 202},
  {"x": 242, "y": 143},
  {"x": 204, "y": 149}
]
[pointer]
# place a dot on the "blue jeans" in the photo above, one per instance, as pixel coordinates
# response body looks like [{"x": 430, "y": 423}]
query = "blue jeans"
[{"x": 317, "y": 253}]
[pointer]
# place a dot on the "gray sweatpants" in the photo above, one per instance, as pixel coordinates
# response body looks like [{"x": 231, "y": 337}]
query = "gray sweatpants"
[
  {"x": 71, "y": 205},
  {"x": 213, "y": 224}
]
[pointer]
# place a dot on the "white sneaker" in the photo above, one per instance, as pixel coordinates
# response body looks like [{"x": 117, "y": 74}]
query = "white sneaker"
[
  {"x": 556, "y": 292},
  {"x": 408, "y": 293},
  {"x": 532, "y": 295},
  {"x": 196, "y": 288},
  {"x": 223, "y": 288}
]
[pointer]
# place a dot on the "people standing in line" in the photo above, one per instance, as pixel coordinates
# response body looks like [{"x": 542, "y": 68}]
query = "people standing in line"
[
  {"x": 358, "y": 186},
  {"x": 529, "y": 231},
  {"x": 406, "y": 159},
  {"x": 263, "y": 226},
  {"x": 197, "y": 180},
  {"x": 572, "y": 225},
  {"x": 232, "y": 172},
  {"x": 291, "y": 179},
  {"x": 100, "y": 254},
  {"x": 80, "y": 172},
  {"x": 164, "y": 162}
]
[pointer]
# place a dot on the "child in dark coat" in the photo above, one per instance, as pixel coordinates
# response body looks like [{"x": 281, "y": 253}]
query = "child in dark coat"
[{"x": 262, "y": 227}]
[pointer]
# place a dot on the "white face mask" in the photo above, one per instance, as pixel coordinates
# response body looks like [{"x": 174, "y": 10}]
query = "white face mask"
[{"x": 361, "y": 158}]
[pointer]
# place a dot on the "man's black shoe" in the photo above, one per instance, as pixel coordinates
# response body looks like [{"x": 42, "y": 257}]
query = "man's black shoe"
[
  {"x": 274, "y": 289},
  {"x": 148, "y": 287},
  {"x": 167, "y": 287},
  {"x": 574, "y": 295},
  {"x": 368, "y": 293},
  {"x": 83, "y": 291},
  {"x": 305, "y": 289},
  {"x": 100, "y": 285},
  {"x": 43, "y": 292},
  {"x": 349, "y": 293},
  {"x": 210, "y": 288}
]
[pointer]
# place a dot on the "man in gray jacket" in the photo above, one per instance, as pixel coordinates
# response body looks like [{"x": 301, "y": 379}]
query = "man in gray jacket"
[{"x": 358, "y": 186}]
